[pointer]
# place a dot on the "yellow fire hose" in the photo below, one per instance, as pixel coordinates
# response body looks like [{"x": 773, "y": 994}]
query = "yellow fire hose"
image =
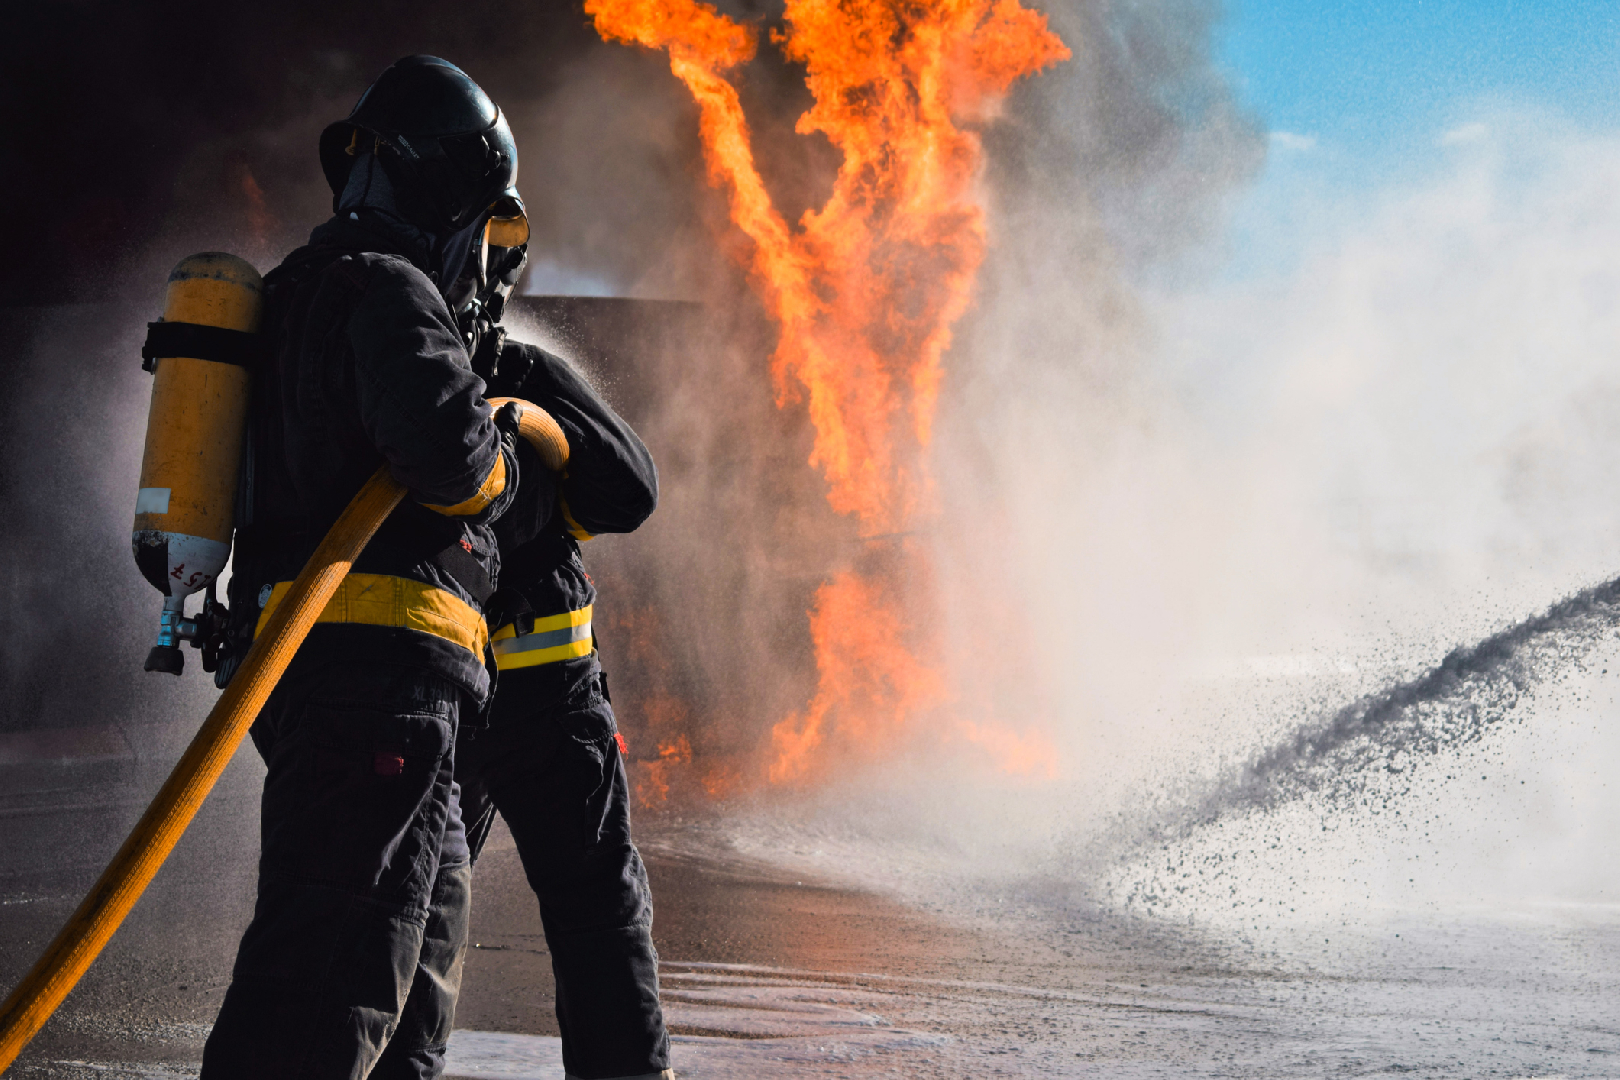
[
  {"x": 540, "y": 431},
  {"x": 61, "y": 966}
]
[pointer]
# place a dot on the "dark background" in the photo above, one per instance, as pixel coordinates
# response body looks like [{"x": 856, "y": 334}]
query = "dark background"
[
  {"x": 134, "y": 128},
  {"x": 126, "y": 120}
]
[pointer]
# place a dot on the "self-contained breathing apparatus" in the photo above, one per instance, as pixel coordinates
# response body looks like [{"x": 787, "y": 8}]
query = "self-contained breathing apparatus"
[
  {"x": 200, "y": 354},
  {"x": 451, "y": 154}
]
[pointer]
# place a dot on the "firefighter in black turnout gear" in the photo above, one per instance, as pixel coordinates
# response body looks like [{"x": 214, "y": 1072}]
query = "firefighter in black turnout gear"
[
  {"x": 352, "y": 962},
  {"x": 550, "y": 760}
]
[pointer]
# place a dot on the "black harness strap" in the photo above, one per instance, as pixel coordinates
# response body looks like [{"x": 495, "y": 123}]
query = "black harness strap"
[
  {"x": 511, "y": 606},
  {"x": 459, "y": 563},
  {"x": 202, "y": 342}
]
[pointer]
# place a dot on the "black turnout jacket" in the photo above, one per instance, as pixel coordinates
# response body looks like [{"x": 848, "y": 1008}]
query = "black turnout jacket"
[
  {"x": 367, "y": 367},
  {"x": 610, "y": 486}
]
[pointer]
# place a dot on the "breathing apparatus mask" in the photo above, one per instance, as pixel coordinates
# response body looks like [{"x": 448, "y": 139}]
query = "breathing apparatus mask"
[{"x": 478, "y": 296}]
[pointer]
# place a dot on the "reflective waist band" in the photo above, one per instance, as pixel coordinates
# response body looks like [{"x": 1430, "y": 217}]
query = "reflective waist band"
[
  {"x": 554, "y": 637},
  {"x": 385, "y": 600}
]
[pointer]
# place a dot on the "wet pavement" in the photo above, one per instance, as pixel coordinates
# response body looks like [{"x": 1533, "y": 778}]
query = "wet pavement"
[{"x": 781, "y": 966}]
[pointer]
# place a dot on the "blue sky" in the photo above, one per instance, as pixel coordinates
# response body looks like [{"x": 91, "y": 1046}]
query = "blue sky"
[
  {"x": 1369, "y": 77},
  {"x": 1359, "y": 98}
]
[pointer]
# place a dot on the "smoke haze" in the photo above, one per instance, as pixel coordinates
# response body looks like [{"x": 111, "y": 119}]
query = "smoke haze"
[
  {"x": 1183, "y": 514},
  {"x": 1301, "y": 488}
]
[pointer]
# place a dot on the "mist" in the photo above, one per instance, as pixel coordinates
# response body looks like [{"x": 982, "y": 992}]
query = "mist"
[
  {"x": 1190, "y": 498},
  {"x": 1214, "y": 509},
  {"x": 1203, "y": 486}
]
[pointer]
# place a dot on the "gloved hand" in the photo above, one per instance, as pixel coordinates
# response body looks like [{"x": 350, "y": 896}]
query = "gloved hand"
[
  {"x": 537, "y": 427},
  {"x": 516, "y": 361},
  {"x": 508, "y": 419},
  {"x": 486, "y": 355}
]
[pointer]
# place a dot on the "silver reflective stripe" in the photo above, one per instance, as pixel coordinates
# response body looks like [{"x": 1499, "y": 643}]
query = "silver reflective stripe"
[{"x": 547, "y": 639}]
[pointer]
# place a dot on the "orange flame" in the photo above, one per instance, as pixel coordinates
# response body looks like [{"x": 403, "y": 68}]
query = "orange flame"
[
  {"x": 654, "y": 787},
  {"x": 865, "y": 669},
  {"x": 867, "y": 288}
]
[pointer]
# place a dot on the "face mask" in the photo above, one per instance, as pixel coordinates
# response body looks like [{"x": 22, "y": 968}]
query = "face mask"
[{"x": 479, "y": 304}]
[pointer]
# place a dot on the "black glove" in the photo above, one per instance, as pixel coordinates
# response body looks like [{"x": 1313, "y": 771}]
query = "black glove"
[
  {"x": 507, "y": 420},
  {"x": 517, "y": 360},
  {"x": 486, "y": 356}
]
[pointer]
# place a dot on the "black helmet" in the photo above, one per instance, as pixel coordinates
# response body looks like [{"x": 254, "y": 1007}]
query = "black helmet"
[{"x": 431, "y": 123}]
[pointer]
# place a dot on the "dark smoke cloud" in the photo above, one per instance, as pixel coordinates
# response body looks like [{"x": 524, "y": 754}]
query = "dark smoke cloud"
[
  {"x": 134, "y": 126},
  {"x": 1141, "y": 129},
  {"x": 1114, "y": 166},
  {"x": 166, "y": 125}
]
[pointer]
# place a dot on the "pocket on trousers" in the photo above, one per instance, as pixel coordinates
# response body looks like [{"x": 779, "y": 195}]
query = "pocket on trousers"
[
  {"x": 377, "y": 796},
  {"x": 590, "y": 763},
  {"x": 587, "y": 718}
]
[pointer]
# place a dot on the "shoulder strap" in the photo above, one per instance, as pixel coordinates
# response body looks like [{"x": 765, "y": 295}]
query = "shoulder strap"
[{"x": 457, "y": 560}]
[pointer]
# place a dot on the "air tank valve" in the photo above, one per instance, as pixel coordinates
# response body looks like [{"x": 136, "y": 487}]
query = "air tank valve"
[{"x": 205, "y": 632}]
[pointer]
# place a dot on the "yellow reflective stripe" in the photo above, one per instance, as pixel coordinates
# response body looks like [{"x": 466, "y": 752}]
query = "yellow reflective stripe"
[
  {"x": 574, "y": 528},
  {"x": 553, "y": 638},
  {"x": 547, "y": 623},
  {"x": 493, "y": 485},
  {"x": 385, "y": 600},
  {"x": 534, "y": 657}
]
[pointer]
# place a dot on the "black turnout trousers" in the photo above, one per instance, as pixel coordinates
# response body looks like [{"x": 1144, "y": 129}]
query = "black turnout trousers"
[
  {"x": 549, "y": 762},
  {"x": 364, "y": 871}
]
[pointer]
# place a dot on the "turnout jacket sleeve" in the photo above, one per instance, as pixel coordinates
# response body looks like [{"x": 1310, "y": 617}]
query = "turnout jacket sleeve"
[
  {"x": 535, "y": 504},
  {"x": 419, "y": 400},
  {"x": 611, "y": 485}
]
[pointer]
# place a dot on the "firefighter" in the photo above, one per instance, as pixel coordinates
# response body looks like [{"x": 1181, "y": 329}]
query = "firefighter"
[
  {"x": 360, "y": 924},
  {"x": 550, "y": 760}
]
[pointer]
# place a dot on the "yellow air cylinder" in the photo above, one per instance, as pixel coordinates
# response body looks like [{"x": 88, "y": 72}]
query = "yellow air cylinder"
[{"x": 185, "y": 510}]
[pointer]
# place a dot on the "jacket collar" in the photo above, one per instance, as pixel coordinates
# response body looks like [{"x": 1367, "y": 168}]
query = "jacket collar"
[{"x": 362, "y": 231}]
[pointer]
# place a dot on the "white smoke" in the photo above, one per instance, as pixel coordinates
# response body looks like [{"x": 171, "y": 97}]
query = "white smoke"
[{"x": 1291, "y": 488}]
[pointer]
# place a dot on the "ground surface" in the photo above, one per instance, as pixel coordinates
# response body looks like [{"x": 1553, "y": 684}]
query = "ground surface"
[{"x": 768, "y": 971}]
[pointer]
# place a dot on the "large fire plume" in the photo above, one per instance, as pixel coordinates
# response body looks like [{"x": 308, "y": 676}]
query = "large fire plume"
[{"x": 865, "y": 290}]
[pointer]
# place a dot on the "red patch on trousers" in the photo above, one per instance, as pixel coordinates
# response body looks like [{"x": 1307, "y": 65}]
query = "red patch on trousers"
[
  {"x": 387, "y": 763},
  {"x": 620, "y": 740}
]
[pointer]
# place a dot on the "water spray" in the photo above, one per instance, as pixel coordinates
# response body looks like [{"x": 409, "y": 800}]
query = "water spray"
[{"x": 1455, "y": 704}]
